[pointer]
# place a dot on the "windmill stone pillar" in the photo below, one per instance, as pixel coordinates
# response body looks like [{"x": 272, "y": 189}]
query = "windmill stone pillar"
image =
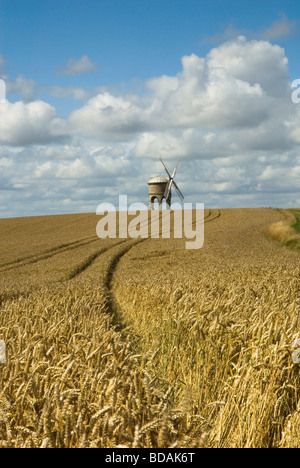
[{"x": 157, "y": 188}]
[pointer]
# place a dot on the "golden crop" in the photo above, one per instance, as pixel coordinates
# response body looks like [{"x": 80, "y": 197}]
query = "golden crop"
[{"x": 141, "y": 343}]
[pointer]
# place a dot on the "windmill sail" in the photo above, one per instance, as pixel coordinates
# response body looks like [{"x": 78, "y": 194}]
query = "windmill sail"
[
  {"x": 171, "y": 181},
  {"x": 167, "y": 171},
  {"x": 178, "y": 190}
]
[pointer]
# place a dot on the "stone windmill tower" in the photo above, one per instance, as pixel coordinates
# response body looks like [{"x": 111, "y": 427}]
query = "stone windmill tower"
[{"x": 160, "y": 188}]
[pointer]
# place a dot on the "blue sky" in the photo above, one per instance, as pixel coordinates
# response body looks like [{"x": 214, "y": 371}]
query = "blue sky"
[
  {"x": 128, "y": 39},
  {"x": 98, "y": 89}
]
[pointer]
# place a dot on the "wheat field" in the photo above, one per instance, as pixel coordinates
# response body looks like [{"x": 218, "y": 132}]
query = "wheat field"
[{"x": 142, "y": 343}]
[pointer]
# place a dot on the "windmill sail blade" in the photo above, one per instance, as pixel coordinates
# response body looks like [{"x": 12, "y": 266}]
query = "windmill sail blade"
[
  {"x": 175, "y": 170},
  {"x": 168, "y": 188},
  {"x": 171, "y": 181},
  {"x": 178, "y": 191},
  {"x": 161, "y": 160}
]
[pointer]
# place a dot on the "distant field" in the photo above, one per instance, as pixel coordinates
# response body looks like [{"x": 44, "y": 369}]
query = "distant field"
[{"x": 142, "y": 343}]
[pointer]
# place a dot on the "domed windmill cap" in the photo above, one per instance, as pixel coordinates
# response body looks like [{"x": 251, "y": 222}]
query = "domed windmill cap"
[{"x": 158, "y": 180}]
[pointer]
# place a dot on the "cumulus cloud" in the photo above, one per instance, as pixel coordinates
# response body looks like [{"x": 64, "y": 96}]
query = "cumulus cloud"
[
  {"x": 228, "y": 116},
  {"x": 238, "y": 85},
  {"x": 254, "y": 62},
  {"x": 109, "y": 117},
  {"x": 231, "y": 108},
  {"x": 78, "y": 67},
  {"x": 31, "y": 123}
]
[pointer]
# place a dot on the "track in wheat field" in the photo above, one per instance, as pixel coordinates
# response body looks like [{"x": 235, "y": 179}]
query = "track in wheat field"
[
  {"x": 88, "y": 261},
  {"x": 126, "y": 245},
  {"x": 102, "y": 265},
  {"x": 28, "y": 260},
  {"x": 118, "y": 253},
  {"x": 214, "y": 214}
]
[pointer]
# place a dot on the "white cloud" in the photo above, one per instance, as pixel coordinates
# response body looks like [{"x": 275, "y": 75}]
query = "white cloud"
[
  {"x": 78, "y": 67},
  {"x": 5, "y": 162},
  {"x": 162, "y": 86},
  {"x": 107, "y": 116},
  {"x": 255, "y": 62},
  {"x": 293, "y": 125},
  {"x": 238, "y": 85},
  {"x": 27, "y": 89},
  {"x": 75, "y": 92},
  {"x": 44, "y": 170},
  {"x": 98, "y": 165},
  {"x": 211, "y": 97},
  {"x": 31, "y": 123},
  {"x": 24, "y": 87},
  {"x": 228, "y": 116}
]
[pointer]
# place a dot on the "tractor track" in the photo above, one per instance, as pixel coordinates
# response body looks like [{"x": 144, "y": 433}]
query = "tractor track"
[
  {"x": 112, "y": 305},
  {"x": 44, "y": 255},
  {"x": 87, "y": 262},
  {"x": 123, "y": 247},
  {"x": 128, "y": 245},
  {"x": 65, "y": 247},
  {"x": 214, "y": 214},
  {"x": 29, "y": 260}
]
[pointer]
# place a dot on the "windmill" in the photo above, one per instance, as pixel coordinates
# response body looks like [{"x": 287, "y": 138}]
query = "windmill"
[{"x": 160, "y": 187}]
